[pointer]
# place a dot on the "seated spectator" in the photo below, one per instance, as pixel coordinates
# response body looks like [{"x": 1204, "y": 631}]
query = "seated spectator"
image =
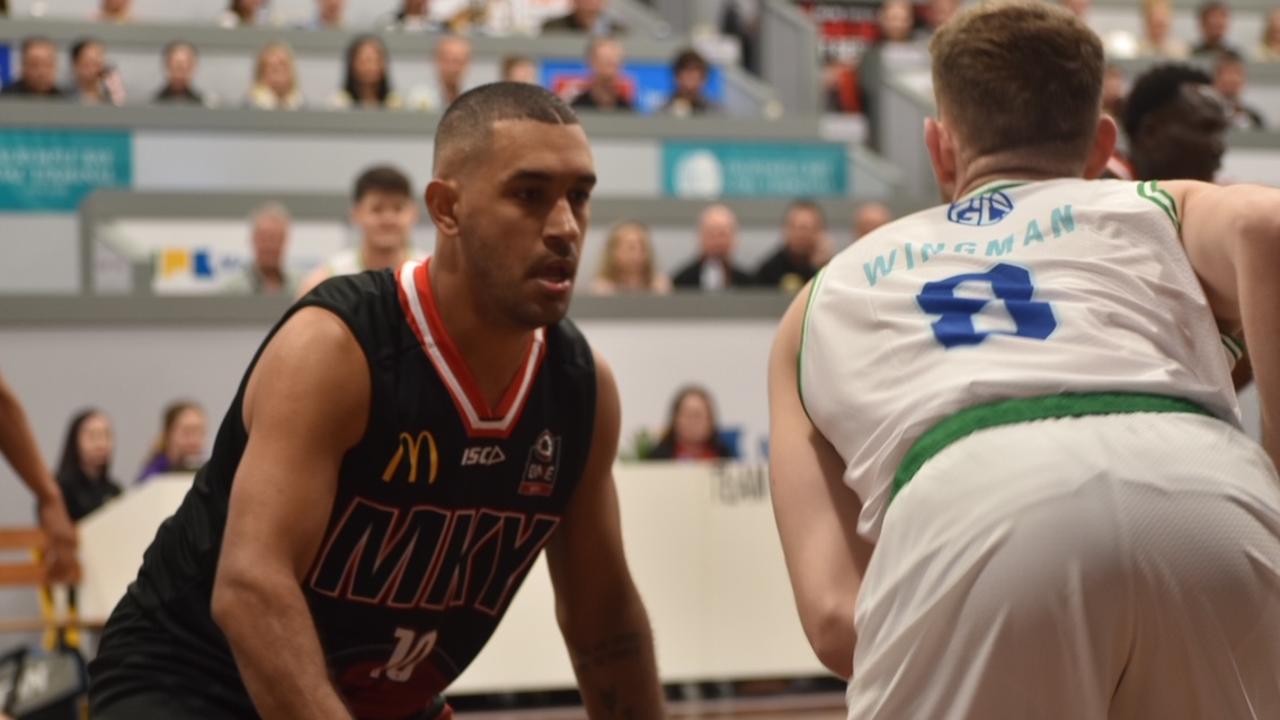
[
  {"x": 413, "y": 16},
  {"x": 275, "y": 80},
  {"x": 605, "y": 91},
  {"x": 1079, "y": 8},
  {"x": 869, "y": 217},
  {"x": 39, "y": 75},
  {"x": 84, "y": 472},
  {"x": 1215, "y": 18},
  {"x": 897, "y": 21},
  {"x": 628, "y": 265},
  {"x": 1269, "y": 50},
  {"x": 740, "y": 19},
  {"x": 1175, "y": 125},
  {"x": 329, "y": 15},
  {"x": 1156, "y": 42},
  {"x": 840, "y": 86},
  {"x": 179, "y": 72},
  {"x": 94, "y": 82},
  {"x": 242, "y": 13},
  {"x": 368, "y": 78},
  {"x": 938, "y": 12},
  {"x": 267, "y": 275},
  {"x": 798, "y": 260},
  {"x": 692, "y": 432},
  {"x": 1228, "y": 79},
  {"x": 115, "y": 11},
  {"x": 384, "y": 212},
  {"x": 181, "y": 444},
  {"x": 452, "y": 60},
  {"x": 588, "y": 16},
  {"x": 518, "y": 68},
  {"x": 691, "y": 71},
  {"x": 714, "y": 269},
  {"x": 1113, "y": 91}
]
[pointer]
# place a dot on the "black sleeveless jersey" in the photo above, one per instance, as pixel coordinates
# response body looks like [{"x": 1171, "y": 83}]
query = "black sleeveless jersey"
[{"x": 441, "y": 509}]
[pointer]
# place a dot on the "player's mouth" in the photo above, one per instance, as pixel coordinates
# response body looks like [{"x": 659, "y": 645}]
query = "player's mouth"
[{"x": 556, "y": 276}]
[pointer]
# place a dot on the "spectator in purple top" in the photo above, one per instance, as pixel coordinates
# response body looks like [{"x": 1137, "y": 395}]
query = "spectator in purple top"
[{"x": 181, "y": 445}]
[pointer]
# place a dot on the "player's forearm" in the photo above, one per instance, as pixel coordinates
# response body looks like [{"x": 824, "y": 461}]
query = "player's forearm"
[
  {"x": 615, "y": 665},
  {"x": 18, "y": 444},
  {"x": 1260, "y": 310},
  {"x": 273, "y": 639}
]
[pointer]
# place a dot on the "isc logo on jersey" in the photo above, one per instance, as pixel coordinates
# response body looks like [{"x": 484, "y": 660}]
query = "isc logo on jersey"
[
  {"x": 490, "y": 455},
  {"x": 981, "y": 210}
]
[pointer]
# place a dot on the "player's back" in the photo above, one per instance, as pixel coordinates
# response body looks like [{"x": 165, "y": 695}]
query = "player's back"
[{"x": 1017, "y": 290}]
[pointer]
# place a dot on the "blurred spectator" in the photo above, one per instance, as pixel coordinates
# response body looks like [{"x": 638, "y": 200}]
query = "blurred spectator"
[
  {"x": 1215, "y": 17},
  {"x": 93, "y": 81},
  {"x": 740, "y": 19},
  {"x": 897, "y": 21},
  {"x": 452, "y": 60},
  {"x": 518, "y": 68},
  {"x": 267, "y": 275},
  {"x": 241, "y": 13},
  {"x": 692, "y": 432},
  {"x": 940, "y": 11},
  {"x": 1269, "y": 50},
  {"x": 1175, "y": 124},
  {"x": 1156, "y": 42},
  {"x": 39, "y": 76},
  {"x": 1079, "y": 7},
  {"x": 869, "y": 217},
  {"x": 1228, "y": 79},
  {"x": 605, "y": 91},
  {"x": 179, "y": 73},
  {"x": 413, "y": 16},
  {"x": 1113, "y": 91},
  {"x": 115, "y": 11},
  {"x": 795, "y": 263},
  {"x": 840, "y": 85},
  {"x": 84, "y": 472},
  {"x": 713, "y": 269},
  {"x": 691, "y": 71},
  {"x": 180, "y": 446},
  {"x": 587, "y": 16},
  {"x": 628, "y": 265},
  {"x": 368, "y": 78},
  {"x": 275, "y": 80},
  {"x": 328, "y": 15},
  {"x": 384, "y": 212},
  {"x": 4, "y": 12}
]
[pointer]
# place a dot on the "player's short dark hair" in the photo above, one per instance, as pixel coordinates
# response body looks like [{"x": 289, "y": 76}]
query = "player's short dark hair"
[
  {"x": 32, "y": 40},
  {"x": 382, "y": 178},
  {"x": 1155, "y": 89},
  {"x": 175, "y": 45},
  {"x": 690, "y": 59},
  {"x": 1211, "y": 6},
  {"x": 80, "y": 45},
  {"x": 470, "y": 119},
  {"x": 806, "y": 204}
]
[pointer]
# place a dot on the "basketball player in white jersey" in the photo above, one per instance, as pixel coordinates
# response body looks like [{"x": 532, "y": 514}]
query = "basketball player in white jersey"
[{"x": 1007, "y": 465}]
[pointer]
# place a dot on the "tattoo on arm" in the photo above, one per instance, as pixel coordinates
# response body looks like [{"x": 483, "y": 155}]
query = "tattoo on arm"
[{"x": 619, "y": 649}]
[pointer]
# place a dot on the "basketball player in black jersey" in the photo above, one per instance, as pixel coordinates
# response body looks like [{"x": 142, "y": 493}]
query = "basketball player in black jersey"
[{"x": 400, "y": 450}]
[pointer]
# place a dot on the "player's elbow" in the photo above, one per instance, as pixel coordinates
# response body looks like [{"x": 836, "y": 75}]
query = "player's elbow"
[
  {"x": 831, "y": 635},
  {"x": 237, "y": 597}
]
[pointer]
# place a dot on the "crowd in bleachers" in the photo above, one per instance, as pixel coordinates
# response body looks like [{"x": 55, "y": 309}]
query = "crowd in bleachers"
[{"x": 367, "y": 80}]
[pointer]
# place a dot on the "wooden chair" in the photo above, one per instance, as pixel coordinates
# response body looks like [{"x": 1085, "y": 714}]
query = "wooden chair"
[{"x": 20, "y": 566}]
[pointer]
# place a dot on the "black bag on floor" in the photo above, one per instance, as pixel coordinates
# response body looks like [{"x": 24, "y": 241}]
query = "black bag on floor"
[{"x": 42, "y": 687}]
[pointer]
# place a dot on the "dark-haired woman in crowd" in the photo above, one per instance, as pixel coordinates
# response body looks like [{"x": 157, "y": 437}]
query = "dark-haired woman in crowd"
[
  {"x": 241, "y": 13},
  {"x": 94, "y": 82},
  {"x": 368, "y": 77},
  {"x": 84, "y": 472},
  {"x": 180, "y": 446},
  {"x": 692, "y": 432}
]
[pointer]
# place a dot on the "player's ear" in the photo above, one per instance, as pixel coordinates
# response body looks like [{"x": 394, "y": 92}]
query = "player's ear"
[
  {"x": 442, "y": 205},
  {"x": 1104, "y": 144},
  {"x": 942, "y": 154}
]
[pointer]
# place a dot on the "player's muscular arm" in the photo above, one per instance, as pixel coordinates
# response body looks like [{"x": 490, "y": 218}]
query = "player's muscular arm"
[
  {"x": 1232, "y": 235},
  {"x": 306, "y": 404},
  {"x": 600, "y": 613},
  {"x": 816, "y": 514}
]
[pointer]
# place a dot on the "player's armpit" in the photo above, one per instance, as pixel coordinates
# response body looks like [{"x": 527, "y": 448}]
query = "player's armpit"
[
  {"x": 816, "y": 514},
  {"x": 305, "y": 405},
  {"x": 1232, "y": 236},
  {"x": 599, "y": 611}
]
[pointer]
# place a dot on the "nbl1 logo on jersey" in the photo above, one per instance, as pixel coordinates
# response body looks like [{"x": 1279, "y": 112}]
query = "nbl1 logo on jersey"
[
  {"x": 540, "y": 470},
  {"x": 981, "y": 210}
]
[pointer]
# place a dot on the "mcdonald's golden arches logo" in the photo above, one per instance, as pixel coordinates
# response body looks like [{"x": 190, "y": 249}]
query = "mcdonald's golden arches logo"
[{"x": 412, "y": 447}]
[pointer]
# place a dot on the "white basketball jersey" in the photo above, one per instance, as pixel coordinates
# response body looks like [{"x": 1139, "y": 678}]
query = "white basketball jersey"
[{"x": 1018, "y": 290}]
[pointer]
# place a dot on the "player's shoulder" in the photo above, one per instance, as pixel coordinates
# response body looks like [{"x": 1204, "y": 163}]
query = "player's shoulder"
[{"x": 569, "y": 349}]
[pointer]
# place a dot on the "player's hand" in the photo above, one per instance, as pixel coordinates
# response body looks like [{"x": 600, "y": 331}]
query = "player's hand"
[{"x": 60, "y": 559}]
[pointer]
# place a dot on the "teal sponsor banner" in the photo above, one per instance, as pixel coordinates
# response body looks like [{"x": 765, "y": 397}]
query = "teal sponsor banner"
[
  {"x": 53, "y": 170},
  {"x": 741, "y": 169}
]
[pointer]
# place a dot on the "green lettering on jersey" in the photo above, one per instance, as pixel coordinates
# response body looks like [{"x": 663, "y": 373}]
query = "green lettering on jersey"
[
  {"x": 1033, "y": 234},
  {"x": 928, "y": 250},
  {"x": 1062, "y": 218},
  {"x": 880, "y": 268},
  {"x": 995, "y": 248},
  {"x": 967, "y": 247}
]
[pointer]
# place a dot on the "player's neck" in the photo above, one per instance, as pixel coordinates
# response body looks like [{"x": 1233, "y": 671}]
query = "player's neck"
[{"x": 986, "y": 170}]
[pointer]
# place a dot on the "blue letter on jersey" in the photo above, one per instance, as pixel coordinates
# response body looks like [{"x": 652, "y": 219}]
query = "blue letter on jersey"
[{"x": 1009, "y": 283}]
